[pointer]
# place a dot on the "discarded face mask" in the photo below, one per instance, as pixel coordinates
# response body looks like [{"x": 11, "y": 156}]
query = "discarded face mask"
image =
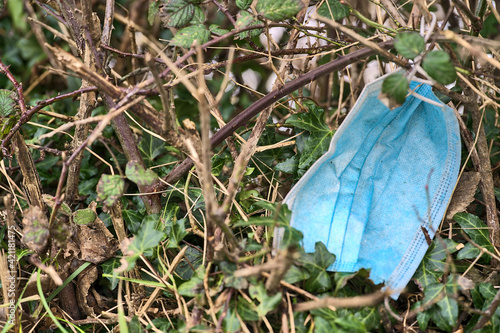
[{"x": 387, "y": 177}]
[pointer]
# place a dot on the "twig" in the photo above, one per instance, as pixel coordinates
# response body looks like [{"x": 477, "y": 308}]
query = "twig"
[
  {"x": 20, "y": 95},
  {"x": 245, "y": 116},
  {"x": 339, "y": 303},
  {"x": 107, "y": 25},
  {"x": 487, "y": 185},
  {"x": 26, "y": 117},
  {"x": 477, "y": 23}
]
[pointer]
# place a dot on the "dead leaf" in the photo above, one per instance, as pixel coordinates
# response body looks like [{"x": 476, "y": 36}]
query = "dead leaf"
[
  {"x": 36, "y": 229},
  {"x": 464, "y": 193}
]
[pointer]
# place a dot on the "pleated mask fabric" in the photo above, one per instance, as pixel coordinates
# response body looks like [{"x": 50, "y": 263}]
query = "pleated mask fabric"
[{"x": 387, "y": 175}]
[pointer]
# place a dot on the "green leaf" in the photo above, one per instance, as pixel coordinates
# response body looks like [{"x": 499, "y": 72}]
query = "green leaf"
[
  {"x": 8, "y": 102},
  {"x": 475, "y": 229},
  {"x": 341, "y": 279},
  {"x": 409, "y": 44},
  {"x": 350, "y": 324},
  {"x": 243, "y": 4},
  {"x": 84, "y": 216},
  {"x": 323, "y": 326},
  {"x": 333, "y": 9},
  {"x": 434, "y": 263},
  {"x": 395, "y": 86},
  {"x": 295, "y": 274},
  {"x": 134, "y": 326},
  {"x": 317, "y": 263},
  {"x": 198, "y": 17},
  {"x": 151, "y": 147},
  {"x": 290, "y": 165},
  {"x": 176, "y": 231},
  {"x": 177, "y": 13},
  {"x": 186, "y": 36},
  {"x": 108, "y": 267},
  {"x": 468, "y": 252},
  {"x": 318, "y": 141},
  {"x": 152, "y": 11},
  {"x": 136, "y": 173},
  {"x": 133, "y": 219},
  {"x": 110, "y": 189},
  {"x": 186, "y": 268},
  {"x": 279, "y": 10},
  {"x": 497, "y": 193},
  {"x": 439, "y": 66},
  {"x": 369, "y": 317},
  {"x": 194, "y": 286},
  {"x": 146, "y": 238},
  {"x": 449, "y": 310},
  {"x": 246, "y": 310},
  {"x": 230, "y": 323},
  {"x": 217, "y": 30},
  {"x": 267, "y": 303},
  {"x": 245, "y": 20},
  {"x": 423, "y": 317}
]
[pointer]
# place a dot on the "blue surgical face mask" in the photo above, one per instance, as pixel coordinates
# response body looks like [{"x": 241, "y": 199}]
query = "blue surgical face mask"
[{"x": 388, "y": 175}]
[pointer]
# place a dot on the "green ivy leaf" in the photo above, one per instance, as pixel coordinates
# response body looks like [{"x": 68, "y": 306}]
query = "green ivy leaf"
[
  {"x": 243, "y": 4},
  {"x": 231, "y": 323},
  {"x": 186, "y": 36},
  {"x": 323, "y": 326},
  {"x": 409, "y": 44},
  {"x": 108, "y": 267},
  {"x": 84, "y": 216},
  {"x": 246, "y": 310},
  {"x": 266, "y": 303},
  {"x": 194, "y": 286},
  {"x": 433, "y": 264},
  {"x": 290, "y": 165},
  {"x": 194, "y": 258},
  {"x": 134, "y": 326},
  {"x": 439, "y": 66},
  {"x": 151, "y": 147},
  {"x": 318, "y": 141},
  {"x": 448, "y": 310},
  {"x": 136, "y": 173},
  {"x": 475, "y": 229},
  {"x": 279, "y": 10},
  {"x": 177, "y": 13},
  {"x": 317, "y": 263},
  {"x": 295, "y": 274},
  {"x": 333, "y": 9},
  {"x": 133, "y": 219},
  {"x": 8, "y": 102},
  {"x": 147, "y": 237},
  {"x": 110, "y": 189},
  {"x": 395, "y": 86},
  {"x": 176, "y": 231},
  {"x": 369, "y": 317},
  {"x": 468, "y": 252}
]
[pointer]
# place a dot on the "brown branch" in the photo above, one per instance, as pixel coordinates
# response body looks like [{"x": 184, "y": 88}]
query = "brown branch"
[
  {"x": 27, "y": 116},
  {"x": 484, "y": 168},
  {"x": 20, "y": 95},
  {"x": 245, "y": 116}
]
